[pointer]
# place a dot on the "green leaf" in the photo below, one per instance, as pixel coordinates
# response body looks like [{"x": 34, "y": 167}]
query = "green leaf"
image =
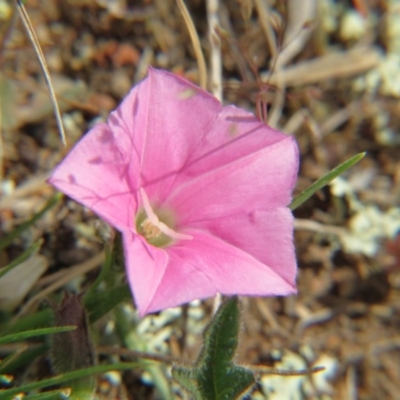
[
  {"x": 100, "y": 303},
  {"x": 24, "y": 256},
  {"x": 25, "y": 225},
  {"x": 215, "y": 376},
  {"x": 321, "y": 182},
  {"x": 69, "y": 376},
  {"x": 15, "y": 337}
]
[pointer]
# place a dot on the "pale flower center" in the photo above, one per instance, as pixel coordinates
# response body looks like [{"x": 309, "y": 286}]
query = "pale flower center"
[
  {"x": 150, "y": 231},
  {"x": 156, "y": 227}
]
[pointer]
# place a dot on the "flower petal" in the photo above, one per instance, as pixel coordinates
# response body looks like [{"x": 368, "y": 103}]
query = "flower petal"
[
  {"x": 96, "y": 174},
  {"x": 234, "y": 134},
  {"x": 262, "y": 180},
  {"x": 145, "y": 267},
  {"x": 265, "y": 235},
  {"x": 179, "y": 115},
  {"x": 206, "y": 265},
  {"x": 128, "y": 123}
]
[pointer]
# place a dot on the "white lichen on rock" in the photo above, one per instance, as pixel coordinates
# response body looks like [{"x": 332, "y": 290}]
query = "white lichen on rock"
[
  {"x": 352, "y": 26},
  {"x": 368, "y": 226}
]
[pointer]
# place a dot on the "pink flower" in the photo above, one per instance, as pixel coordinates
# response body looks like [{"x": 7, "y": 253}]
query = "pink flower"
[{"x": 198, "y": 190}]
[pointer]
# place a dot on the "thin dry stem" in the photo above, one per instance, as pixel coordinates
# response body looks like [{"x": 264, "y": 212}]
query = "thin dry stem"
[
  {"x": 279, "y": 101},
  {"x": 339, "y": 117},
  {"x": 170, "y": 360},
  {"x": 309, "y": 225},
  {"x": 196, "y": 44},
  {"x": 42, "y": 61},
  {"x": 144, "y": 62},
  {"x": 277, "y": 371},
  {"x": 351, "y": 383},
  {"x": 1, "y": 145},
  {"x": 264, "y": 13},
  {"x": 320, "y": 316},
  {"x": 73, "y": 272},
  {"x": 34, "y": 185},
  {"x": 295, "y": 121},
  {"x": 229, "y": 36},
  {"x": 216, "y": 75},
  {"x": 266, "y": 311},
  {"x": 217, "y": 303},
  {"x": 300, "y": 14},
  {"x": 335, "y": 65},
  {"x": 140, "y": 354},
  {"x": 384, "y": 345},
  {"x": 215, "y": 42}
]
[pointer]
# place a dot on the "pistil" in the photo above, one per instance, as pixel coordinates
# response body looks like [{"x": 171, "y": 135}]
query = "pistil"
[{"x": 152, "y": 227}]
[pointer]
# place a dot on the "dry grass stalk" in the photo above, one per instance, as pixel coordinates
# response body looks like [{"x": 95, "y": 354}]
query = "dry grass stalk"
[
  {"x": 73, "y": 272},
  {"x": 301, "y": 14},
  {"x": 215, "y": 43},
  {"x": 196, "y": 43},
  {"x": 264, "y": 13},
  {"x": 32, "y": 186},
  {"x": 338, "y": 65},
  {"x": 42, "y": 61}
]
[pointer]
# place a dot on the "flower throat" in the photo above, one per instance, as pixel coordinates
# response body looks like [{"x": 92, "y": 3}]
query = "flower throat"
[{"x": 156, "y": 227}]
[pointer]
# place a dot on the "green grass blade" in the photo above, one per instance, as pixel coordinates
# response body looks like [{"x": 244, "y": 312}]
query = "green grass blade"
[
  {"x": 10, "y": 364},
  {"x": 40, "y": 319},
  {"x": 24, "y": 256},
  {"x": 104, "y": 273},
  {"x": 25, "y": 225},
  {"x": 58, "y": 394},
  {"x": 100, "y": 303},
  {"x": 320, "y": 183},
  {"x": 60, "y": 379},
  {"x": 4, "y": 361},
  {"x": 15, "y": 337}
]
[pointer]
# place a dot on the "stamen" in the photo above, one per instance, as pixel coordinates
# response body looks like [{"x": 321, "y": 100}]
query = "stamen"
[
  {"x": 153, "y": 219},
  {"x": 172, "y": 234}
]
